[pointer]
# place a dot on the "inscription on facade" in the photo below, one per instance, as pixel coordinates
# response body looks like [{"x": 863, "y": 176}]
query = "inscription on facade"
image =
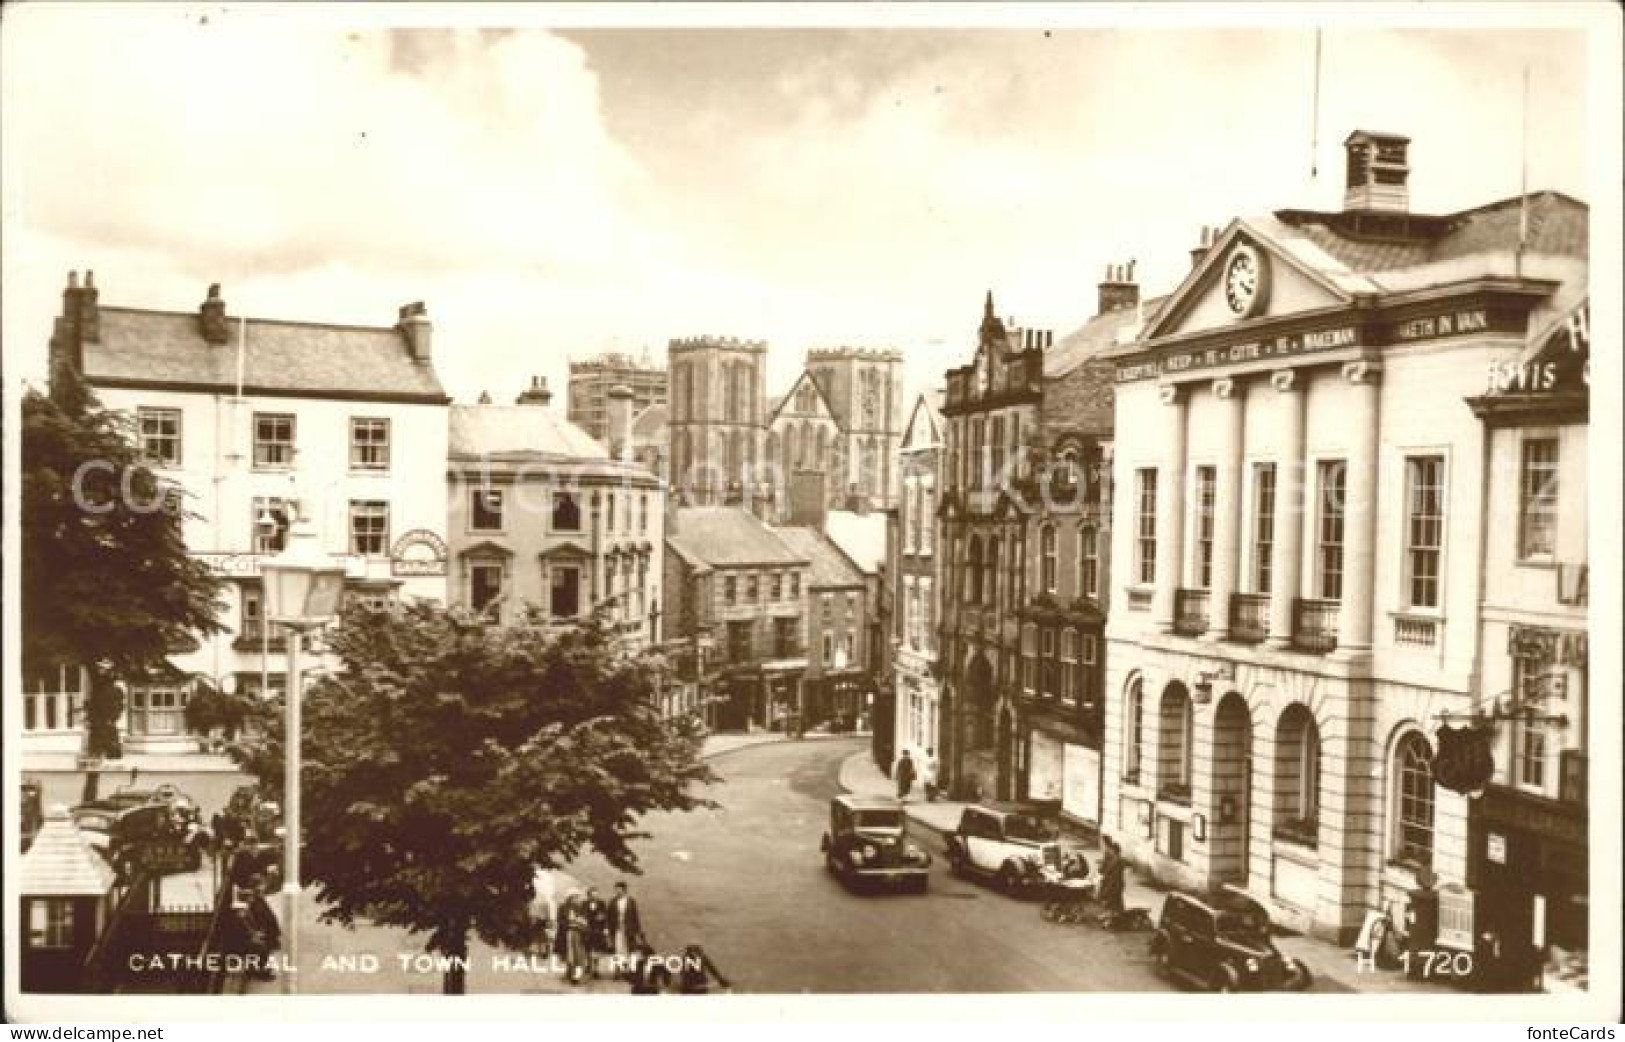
[{"x": 1285, "y": 346}]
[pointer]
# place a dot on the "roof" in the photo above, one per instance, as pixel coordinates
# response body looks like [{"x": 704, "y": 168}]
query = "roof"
[
  {"x": 650, "y": 424},
  {"x": 61, "y": 862},
  {"x": 1099, "y": 336},
  {"x": 723, "y": 536},
  {"x": 167, "y": 347},
  {"x": 867, "y": 802},
  {"x": 528, "y": 431},
  {"x": 861, "y": 537},
  {"x": 829, "y": 566}
]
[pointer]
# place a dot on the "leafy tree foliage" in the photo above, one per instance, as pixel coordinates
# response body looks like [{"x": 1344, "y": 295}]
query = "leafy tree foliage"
[
  {"x": 106, "y": 580},
  {"x": 452, "y": 757}
]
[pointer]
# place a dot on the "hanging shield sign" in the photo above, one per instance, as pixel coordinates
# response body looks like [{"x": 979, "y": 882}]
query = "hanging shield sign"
[{"x": 1464, "y": 762}]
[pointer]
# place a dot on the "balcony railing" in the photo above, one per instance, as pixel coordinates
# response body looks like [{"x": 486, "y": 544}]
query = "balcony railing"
[
  {"x": 1416, "y": 631},
  {"x": 1314, "y": 625},
  {"x": 1190, "y": 612},
  {"x": 1249, "y": 617}
]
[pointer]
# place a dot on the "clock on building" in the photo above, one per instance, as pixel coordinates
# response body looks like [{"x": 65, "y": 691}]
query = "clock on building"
[{"x": 1246, "y": 280}]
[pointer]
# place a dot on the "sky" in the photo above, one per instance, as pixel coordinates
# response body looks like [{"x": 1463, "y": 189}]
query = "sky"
[{"x": 551, "y": 194}]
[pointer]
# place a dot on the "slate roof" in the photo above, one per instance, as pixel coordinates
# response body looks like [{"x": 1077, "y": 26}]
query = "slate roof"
[
  {"x": 728, "y": 536},
  {"x": 167, "y": 347},
  {"x": 519, "y": 431},
  {"x": 61, "y": 862},
  {"x": 862, "y": 537},
  {"x": 1098, "y": 337},
  {"x": 829, "y": 566}
]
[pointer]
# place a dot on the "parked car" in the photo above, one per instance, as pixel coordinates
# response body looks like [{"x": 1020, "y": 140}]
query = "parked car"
[
  {"x": 1012, "y": 846},
  {"x": 1222, "y": 944},
  {"x": 868, "y": 842}
]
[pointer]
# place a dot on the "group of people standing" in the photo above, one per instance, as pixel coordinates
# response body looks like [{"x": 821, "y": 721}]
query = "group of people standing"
[{"x": 585, "y": 927}]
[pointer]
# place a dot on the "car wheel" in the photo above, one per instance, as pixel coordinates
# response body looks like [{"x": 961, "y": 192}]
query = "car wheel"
[
  {"x": 1224, "y": 980},
  {"x": 1006, "y": 879},
  {"x": 1298, "y": 977},
  {"x": 956, "y": 860}
]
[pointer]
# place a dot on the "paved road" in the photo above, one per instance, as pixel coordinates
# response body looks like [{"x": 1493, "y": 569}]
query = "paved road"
[{"x": 747, "y": 881}]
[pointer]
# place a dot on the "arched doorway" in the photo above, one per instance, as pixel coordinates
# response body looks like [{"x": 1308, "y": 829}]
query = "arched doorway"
[
  {"x": 979, "y": 703},
  {"x": 1232, "y": 789}
]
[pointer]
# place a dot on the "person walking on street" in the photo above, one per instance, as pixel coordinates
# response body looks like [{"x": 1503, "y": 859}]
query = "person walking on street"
[
  {"x": 597, "y": 913},
  {"x": 625, "y": 922},
  {"x": 649, "y": 975},
  {"x": 928, "y": 774},
  {"x": 905, "y": 776},
  {"x": 1111, "y": 876}
]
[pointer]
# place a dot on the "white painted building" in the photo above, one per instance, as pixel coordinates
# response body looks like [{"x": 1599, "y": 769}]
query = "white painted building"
[
  {"x": 247, "y": 415},
  {"x": 1297, "y": 538}
]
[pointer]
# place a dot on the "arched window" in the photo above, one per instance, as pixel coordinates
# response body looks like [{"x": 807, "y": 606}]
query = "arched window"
[
  {"x": 928, "y": 511},
  {"x": 973, "y": 569},
  {"x": 821, "y": 459},
  {"x": 1029, "y": 658},
  {"x": 1133, "y": 730},
  {"x": 990, "y": 565},
  {"x": 1297, "y": 776},
  {"x": 1070, "y": 678},
  {"x": 1413, "y": 813},
  {"x": 1174, "y": 739},
  {"x": 1046, "y": 558}
]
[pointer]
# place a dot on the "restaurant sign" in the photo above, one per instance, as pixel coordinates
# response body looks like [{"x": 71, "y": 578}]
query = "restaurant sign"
[
  {"x": 1288, "y": 345},
  {"x": 1539, "y": 644}
]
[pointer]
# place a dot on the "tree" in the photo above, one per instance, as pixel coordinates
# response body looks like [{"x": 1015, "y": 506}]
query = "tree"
[
  {"x": 452, "y": 757},
  {"x": 106, "y": 580}
]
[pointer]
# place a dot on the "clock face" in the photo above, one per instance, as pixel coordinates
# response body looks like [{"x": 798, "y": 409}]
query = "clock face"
[{"x": 1244, "y": 281}]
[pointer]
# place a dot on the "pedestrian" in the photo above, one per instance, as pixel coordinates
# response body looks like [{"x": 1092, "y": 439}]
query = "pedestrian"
[
  {"x": 573, "y": 925},
  {"x": 1111, "y": 876},
  {"x": 697, "y": 972},
  {"x": 649, "y": 975},
  {"x": 905, "y": 776},
  {"x": 625, "y": 922},
  {"x": 928, "y": 774},
  {"x": 544, "y": 908},
  {"x": 597, "y": 913}
]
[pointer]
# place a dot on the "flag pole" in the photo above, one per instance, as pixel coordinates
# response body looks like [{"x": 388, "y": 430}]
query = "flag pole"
[
  {"x": 1314, "y": 119},
  {"x": 1523, "y": 184}
]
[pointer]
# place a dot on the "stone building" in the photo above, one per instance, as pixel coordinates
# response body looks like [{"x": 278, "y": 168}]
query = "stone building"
[
  {"x": 736, "y": 598},
  {"x": 1297, "y": 533},
  {"x": 843, "y": 416},
  {"x": 991, "y": 414},
  {"x": 591, "y": 379},
  {"x": 717, "y": 422},
  {"x": 1527, "y": 861},
  {"x": 249, "y": 417},
  {"x": 540, "y": 515},
  {"x": 913, "y": 582}
]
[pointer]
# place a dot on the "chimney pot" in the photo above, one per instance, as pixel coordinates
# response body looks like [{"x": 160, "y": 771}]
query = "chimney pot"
[
  {"x": 415, "y": 326},
  {"x": 536, "y": 394},
  {"x": 212, "y": 317},
  {"x": 73, "y": 280}
]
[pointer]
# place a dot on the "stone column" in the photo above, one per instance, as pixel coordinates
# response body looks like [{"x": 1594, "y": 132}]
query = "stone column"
[
  {"x": 1226, "y": 508},
  {"x": 1360, "y": 512},
  {"x": 1291, "y": 513},
  {"x": 1170, "y": 509}
]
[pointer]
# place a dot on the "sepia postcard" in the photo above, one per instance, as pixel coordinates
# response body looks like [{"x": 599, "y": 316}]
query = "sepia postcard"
[{"x": 1064, "y": 510}]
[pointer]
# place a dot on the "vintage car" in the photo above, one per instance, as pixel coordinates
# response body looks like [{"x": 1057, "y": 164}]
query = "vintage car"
[
  {"x": 1015, "y": 848},
  {"x": 1222, "y": 943},
  {"x": 868, "y": 842}
]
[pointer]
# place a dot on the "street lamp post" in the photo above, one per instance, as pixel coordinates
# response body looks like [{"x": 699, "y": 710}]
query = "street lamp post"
[{"x": 302, "y": 589}]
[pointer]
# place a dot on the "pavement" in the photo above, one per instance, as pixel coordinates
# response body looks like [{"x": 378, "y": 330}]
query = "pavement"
[{"x": 1329, "y": 962}]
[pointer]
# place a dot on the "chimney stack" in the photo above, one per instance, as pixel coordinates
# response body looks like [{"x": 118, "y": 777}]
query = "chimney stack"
[
  {"x": 414, "y": 324},
  {"x": 79, "y": 324},
  {"x": 1378, "y": 172},
  {"x": 1118, "y": 291},
  {"x": 212, "y": 317},
  {"x": 536, "y": 394},
  {"x": 618, "y": 425},
  {"x": 1199, "y": 252}
]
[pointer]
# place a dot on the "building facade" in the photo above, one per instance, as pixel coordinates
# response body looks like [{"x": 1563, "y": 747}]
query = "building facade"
[
  {"x": 1297, "y": 525},
  {"x": 843, "y": 417},
  {"x": 736, "y": 601},
  {"x": 249, "y": 417},
  {"x": 541, "y": 516},
  {"x": 717, "y": 421},
  {"x": 913, "y": 580},
  {"x": 1527, "y": 866},
  {"x": 1060, "y": 707},
  {"x": 838, "y": 639},
  {"x": 591, "y": 379},
  {"x": 991, "y": 415}
]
